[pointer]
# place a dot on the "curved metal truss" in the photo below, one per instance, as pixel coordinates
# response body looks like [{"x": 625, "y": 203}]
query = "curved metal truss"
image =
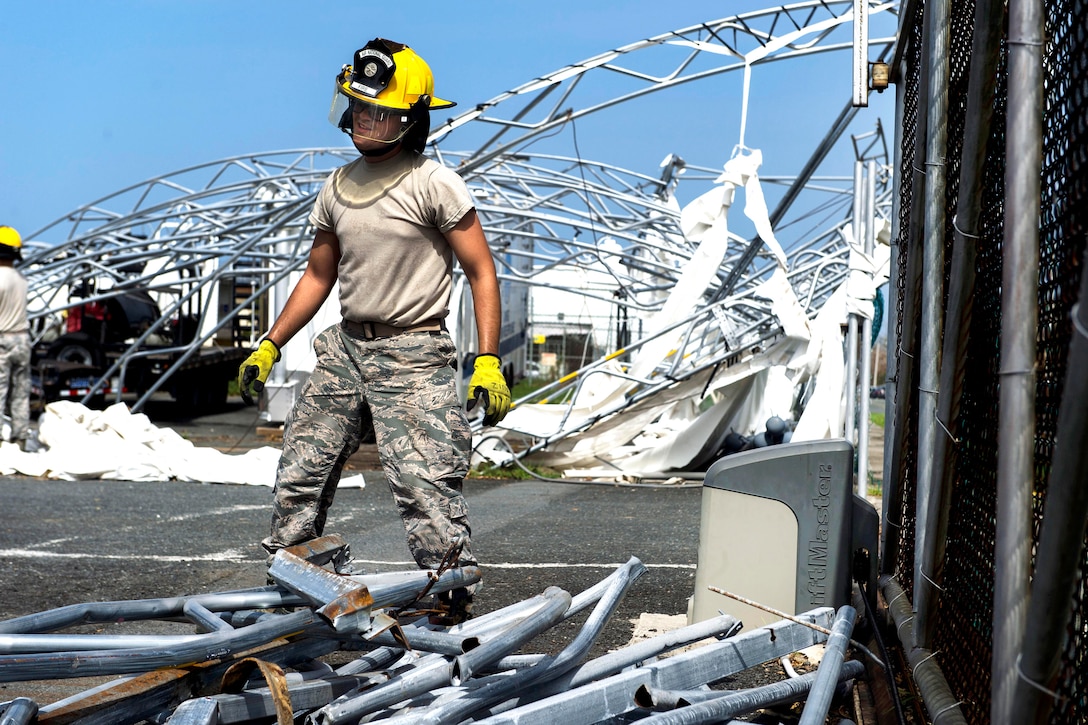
[{"x": 211, "y": 241}]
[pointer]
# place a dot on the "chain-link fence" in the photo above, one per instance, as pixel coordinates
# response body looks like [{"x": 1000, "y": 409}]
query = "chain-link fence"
[{"x": 963, "y": 624}]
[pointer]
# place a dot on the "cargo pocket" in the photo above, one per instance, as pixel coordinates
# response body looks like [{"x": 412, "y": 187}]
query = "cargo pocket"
[{"x": 458, "y": 508}]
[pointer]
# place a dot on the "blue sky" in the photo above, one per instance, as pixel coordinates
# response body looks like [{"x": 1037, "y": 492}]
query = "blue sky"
[{"x": 101, "y": 95}]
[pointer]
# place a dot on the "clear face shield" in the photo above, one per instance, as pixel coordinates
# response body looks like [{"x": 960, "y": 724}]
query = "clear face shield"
[{"x": 367, "y": 121}]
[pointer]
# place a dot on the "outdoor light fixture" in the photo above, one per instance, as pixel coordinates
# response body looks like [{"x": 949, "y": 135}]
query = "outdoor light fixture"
[{"x": 879, "y": 76}]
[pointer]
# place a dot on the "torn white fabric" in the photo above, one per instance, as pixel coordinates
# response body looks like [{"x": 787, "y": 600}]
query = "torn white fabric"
[
  {"x": 79, "y": 443},
  {"x": 755, "y": 206},
  {"x": 867, "y": 273},
  {"x": 676, "y": 441},
  {"x": 825, "y": 410},
  {"x": 706, "y": 222},
  {"x": 785, "y": 305}
]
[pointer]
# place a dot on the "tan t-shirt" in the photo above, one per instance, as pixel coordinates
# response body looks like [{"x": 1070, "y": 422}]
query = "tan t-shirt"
[
  {"x": 390, "y": 217},
  {"x": 12, "y": 300}
]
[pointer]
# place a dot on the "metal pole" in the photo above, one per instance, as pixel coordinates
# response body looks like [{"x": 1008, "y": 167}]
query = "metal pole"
[
  {"x": 850, "y": 385},
  {"x": 138, "y": 609},
  {"x": 59, "y": 665},
  {"x": 937, "y": 33},
  {"x": 1019, "y": 305},
  {"x": 1061, "y": 539},
  {"x": 892, "y": 496},
  {"x": 851, "y": 382},
  {"x": 961, "y": 277},
  {"x": 906, "y": 351},
  {"x": 866, "y": 341},
  {"x": 861, "y": 53}
]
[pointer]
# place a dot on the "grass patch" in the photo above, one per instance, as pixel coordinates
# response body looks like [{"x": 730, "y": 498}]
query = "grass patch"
[
  {"x": 513, "y": 472},
  {"x": 527, "y": 385},
  {"x": 877, "y": 418}
]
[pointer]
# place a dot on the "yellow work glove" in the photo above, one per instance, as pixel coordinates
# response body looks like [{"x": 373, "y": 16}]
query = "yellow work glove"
[
  {"x": 488, "y": 388},
  {"x": 254, "y": 371}
]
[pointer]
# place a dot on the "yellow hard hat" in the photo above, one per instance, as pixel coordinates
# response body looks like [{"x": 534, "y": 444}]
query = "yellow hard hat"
[
  {"x": 389, "y": 74},
  {"x": 386, "y": 91},
  {"x": 11, "y": 244}
]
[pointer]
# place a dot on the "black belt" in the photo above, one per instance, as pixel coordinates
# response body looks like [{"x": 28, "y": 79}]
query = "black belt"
[{"x": 373, "y": 330}]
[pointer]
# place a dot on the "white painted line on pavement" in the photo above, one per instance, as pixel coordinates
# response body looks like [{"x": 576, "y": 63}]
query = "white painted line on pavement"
[
  {"x": 182, "y": 517},
  {"x": 541, "y": 565},
  {"x": 218, "y": 512},
  {"x": 229, "y": 555},
  {"x": 237, "y": 557}
]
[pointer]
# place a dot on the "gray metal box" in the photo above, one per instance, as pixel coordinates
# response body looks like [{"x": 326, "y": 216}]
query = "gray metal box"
[{"x": 779, "y": 526}]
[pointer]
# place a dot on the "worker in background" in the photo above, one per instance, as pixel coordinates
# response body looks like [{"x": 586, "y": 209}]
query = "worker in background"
[
  {"x": 388, "y": 228},
  {"x": 14, "y": 339}
]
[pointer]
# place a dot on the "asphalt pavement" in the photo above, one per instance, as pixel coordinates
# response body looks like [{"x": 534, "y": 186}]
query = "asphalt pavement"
[{"x": 65, "y": 543}]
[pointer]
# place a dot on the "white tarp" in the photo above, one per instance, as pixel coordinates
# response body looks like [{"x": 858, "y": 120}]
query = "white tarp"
[{"x": 79, "y": 443}]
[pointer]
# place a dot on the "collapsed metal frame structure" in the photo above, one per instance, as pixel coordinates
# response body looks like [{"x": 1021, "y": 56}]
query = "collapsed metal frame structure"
[{"x": 187, "y": 236}]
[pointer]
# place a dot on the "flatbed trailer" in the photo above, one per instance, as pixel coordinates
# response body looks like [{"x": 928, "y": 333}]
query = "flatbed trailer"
[{"x": 200, "y": 382}]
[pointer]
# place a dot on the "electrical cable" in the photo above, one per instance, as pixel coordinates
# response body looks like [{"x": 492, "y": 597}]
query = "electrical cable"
[{"x": 884, "y": 655}]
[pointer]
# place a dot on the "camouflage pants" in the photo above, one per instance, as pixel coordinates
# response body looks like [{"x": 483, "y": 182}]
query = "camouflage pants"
[
  {"x": 15, "y": 381},
  {"x": 423, "y": 438}
]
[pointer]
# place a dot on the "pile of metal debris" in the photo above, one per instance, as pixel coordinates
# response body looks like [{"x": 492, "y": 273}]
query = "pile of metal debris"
[{"x": 257, "y": 656}]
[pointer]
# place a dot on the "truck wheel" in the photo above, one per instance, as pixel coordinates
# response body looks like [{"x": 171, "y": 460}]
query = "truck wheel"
[{"x": 76, "y": 348}]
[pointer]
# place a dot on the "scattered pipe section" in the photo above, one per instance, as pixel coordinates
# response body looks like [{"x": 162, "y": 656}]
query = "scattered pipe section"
[
  {"x": 746, "y": 701},
  {"x": 831, "y": 668},
  {"x": 142, "y": 609},
  {"x": 500, "y": 689},
  {"x": 60, "y": 665},
  {"x": 610, "y": 697},
  {"x": 249, "y": 666},
  {"x": 20, "y": 711}
]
